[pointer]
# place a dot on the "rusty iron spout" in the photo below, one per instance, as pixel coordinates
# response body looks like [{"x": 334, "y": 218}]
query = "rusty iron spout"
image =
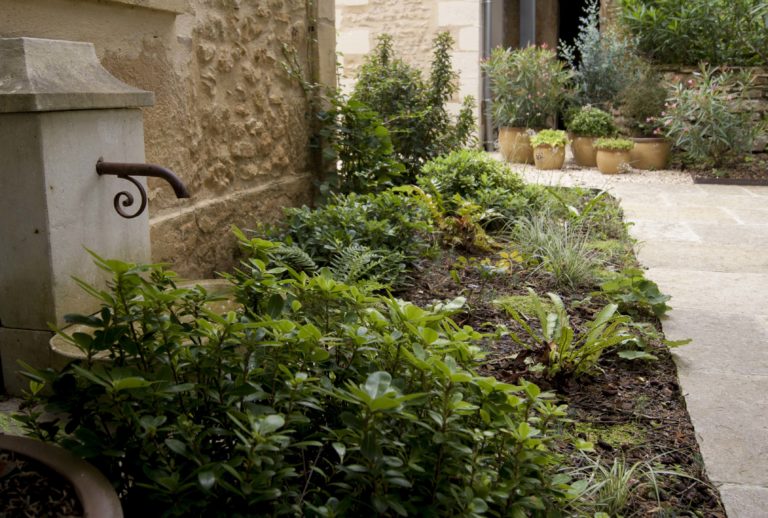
[{"x": 127, "y": 172}]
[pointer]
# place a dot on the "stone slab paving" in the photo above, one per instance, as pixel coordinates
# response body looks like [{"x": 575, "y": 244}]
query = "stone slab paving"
[{"x": 707, "y": 246}]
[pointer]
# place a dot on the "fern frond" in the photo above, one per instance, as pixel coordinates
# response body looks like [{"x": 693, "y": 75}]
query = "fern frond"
[{"x": 293, "y": 257}]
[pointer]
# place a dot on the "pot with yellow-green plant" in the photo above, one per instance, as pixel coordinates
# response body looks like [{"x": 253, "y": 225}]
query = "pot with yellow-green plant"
[
  {"x": 585, "y": 126},
  {"x": 613, "y": 154},
  {"x": 528, "y": 88},
  {"x": 549, "y": 149}
]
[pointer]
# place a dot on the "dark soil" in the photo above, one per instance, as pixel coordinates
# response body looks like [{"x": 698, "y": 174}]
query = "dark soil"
[
  {"x": 639, "y": 399},
  {"x": 29, "y": 489},
  {"x": 753, "y": 171}
]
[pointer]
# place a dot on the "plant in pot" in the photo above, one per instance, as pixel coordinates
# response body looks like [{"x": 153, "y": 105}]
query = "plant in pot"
[
  {"x": 642, "y": 107},
  {"x": 587, "y": 125},
  {"x": 549, "y": 149},
  {"x": 528, "y": 87},
  {"x": 613, "y": 154}
]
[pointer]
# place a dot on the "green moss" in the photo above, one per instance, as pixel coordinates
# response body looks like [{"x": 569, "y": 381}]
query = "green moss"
[
  {"x": 614, "y": 435},
  {"x": 524, "y": 303}
]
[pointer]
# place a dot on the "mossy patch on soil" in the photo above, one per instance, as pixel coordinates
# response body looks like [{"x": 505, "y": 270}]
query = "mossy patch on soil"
[{"x": 615, "y": 435}]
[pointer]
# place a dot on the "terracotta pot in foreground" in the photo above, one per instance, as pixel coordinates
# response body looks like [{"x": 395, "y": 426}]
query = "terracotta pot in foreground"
[
  {"x": 650, "y": 154},
  {"x": 612, "y": 161},
  {"x": 515, "y": 145},
  {"x": 96, "y": 494},
  {"x": 548, "y": 157}
]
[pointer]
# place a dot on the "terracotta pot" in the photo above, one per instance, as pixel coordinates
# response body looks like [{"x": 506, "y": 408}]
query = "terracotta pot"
[
  {"x": 96, "y": 494},
  {"x": 650, "y": 154},
  {"x": 611, "y": 161},
  {"x": 515, "y": 145},
  {"x": 583, "y": 151},
  {"x": 548, "y": 157}
]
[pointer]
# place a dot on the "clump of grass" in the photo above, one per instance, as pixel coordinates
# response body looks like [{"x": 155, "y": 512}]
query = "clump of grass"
[{"x": 562, "y": 248}]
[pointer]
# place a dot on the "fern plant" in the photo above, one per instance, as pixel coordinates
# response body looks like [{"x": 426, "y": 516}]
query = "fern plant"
[
  {"x": 570, "y": 352},
  {"x": 357, "y": 262}
]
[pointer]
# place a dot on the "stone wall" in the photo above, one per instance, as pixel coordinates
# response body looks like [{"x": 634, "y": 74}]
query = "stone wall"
[
  {"x": 228, "y": 119},
  {"x": 413, "y": 25}
]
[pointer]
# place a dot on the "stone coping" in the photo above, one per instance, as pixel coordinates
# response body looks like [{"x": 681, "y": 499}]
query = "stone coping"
[
  {"x": 171, "y": 6},
  {"x": 42, "y": 75}
]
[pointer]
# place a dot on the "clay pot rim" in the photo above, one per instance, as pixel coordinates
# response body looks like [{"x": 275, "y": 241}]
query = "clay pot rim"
[
  {"x": 550, "y": 146},
  {"x": 642, "y": 140},
  {"x": 96, "y": 494}
]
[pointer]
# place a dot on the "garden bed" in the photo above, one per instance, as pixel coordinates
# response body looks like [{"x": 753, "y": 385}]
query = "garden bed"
[
  {"x": 754, "y": 171},
  {"x": 633, "y": 412}
]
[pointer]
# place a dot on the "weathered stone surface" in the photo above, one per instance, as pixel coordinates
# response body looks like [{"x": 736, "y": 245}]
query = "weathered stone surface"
[
  {"x": 39, "y": 75},
  {"x": 228, "y": 119}
]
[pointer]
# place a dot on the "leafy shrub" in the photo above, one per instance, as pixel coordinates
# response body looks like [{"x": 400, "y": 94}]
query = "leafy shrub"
[
  {"x": 643, "y": 103},
  {"x": 552, "y": 138},
  {"x": 603, "y": 63},
  {"x": 561, "y": 249},
  {"x": 476, "y": 177},
  {"x": 361, "y": 145},
  {"x": 571, "y": 353},
  {"x": 614, "y": 144},
  {"x": 718, "y": 32},
  {"x": 528, "y": 86},
  {"x": 591, "y": 122},
  {"x": 389, "y": 227},
  {"x": 313, "y": 399},
  {"x": 709, "y": 119},
  {"x": 635, "y": 295},
  {"x": 412, "y": 109}
]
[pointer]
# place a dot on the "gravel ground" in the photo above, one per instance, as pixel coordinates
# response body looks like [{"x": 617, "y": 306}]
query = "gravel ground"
[{"x": 573, "y": 175}]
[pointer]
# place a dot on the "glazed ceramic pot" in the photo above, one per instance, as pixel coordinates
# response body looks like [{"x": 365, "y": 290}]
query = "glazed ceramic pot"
[
  {"x": 547, "y": 157},
  {"x": 610, "y": 161},
  {"x": 584, "y": 152},
  {"x": 515, "y": 145},
  {"x": 650, "y": 154}
]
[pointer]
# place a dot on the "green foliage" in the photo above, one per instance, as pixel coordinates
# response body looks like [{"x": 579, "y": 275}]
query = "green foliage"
[
  {"x": 475, "y": 177},
  {"x": 643, "y": 102},
  {"x": 635, "y": 295},
  {"x": 591, "y": 122},
  {"x": 570, "y": 352},
  {"x": 361, "y": 145},
  {"x": 718, "y": 32},
  {"x": 390, "y": 229},
  {"x": 603, "y": 63},
  {"x": 561, "y": 248},
  {"x": 412, "y": 108},
  {"x": 591, "y": 209},
  {"x": 708, "y": 117},
  {"x": 614, "y": 144},
  {"x": 315, "y": 398},
  {"x": 552, "y": 138},
  {"x": 528, "y": 86}
]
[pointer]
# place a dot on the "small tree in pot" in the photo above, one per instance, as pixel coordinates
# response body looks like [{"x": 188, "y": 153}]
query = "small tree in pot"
[
  {"x": 528, "y": 87},
  {"x": 587, "y": 125}
]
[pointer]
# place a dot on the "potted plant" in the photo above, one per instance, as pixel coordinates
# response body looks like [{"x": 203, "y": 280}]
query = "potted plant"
[
  {"x": 40, "y": 462},
  {"x": 642, "y": 107},
  {"x": 587, "y": 125},
  {"x": 549, "y": 149},
  {"x": 613, "y": 154},
  {"x": 528, "y": 87}
]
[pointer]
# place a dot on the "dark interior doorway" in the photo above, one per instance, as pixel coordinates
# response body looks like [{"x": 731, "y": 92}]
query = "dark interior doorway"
[{"x": 570, "y": 12}]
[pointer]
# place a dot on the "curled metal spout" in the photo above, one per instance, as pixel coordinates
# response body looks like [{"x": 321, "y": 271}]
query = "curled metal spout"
[{"x": 127, "y": 172}]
